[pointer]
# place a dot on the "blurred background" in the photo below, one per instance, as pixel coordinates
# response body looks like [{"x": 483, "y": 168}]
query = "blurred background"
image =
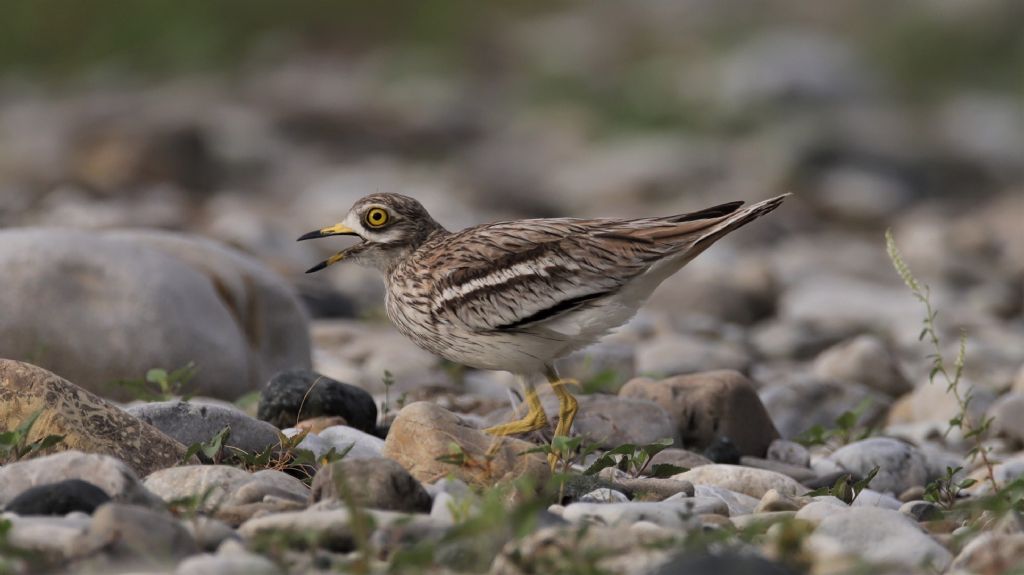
[{"x": 252, "y": 122}]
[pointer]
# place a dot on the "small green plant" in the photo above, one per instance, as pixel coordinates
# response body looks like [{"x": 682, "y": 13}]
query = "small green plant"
[
  {"x": 847, "y": 428},
  {"x": 14, "y": 444},
  {"x": 160, "y": 384},
  {"x": 385, "y": 408},
  {"x": 945, "y": 491},
  {"x": 635, "y": 459},
  {"x": 282, "y": 456},
  {"x": 844, "y": 490},
  {"x": 973, "y": 431},
  {"x": 565, "y": 451},
  {"x": 604, "y": 381}
]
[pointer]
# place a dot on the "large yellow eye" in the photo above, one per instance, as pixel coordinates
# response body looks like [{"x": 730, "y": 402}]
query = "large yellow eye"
[{"x": 376, "y": 217}]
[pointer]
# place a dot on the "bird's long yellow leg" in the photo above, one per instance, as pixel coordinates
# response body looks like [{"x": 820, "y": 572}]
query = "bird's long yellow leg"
[
  {"x": 567, "y": 405},
  {"x": 533, "y": 420}
]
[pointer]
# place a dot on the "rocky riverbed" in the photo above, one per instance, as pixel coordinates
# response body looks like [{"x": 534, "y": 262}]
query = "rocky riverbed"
[{"x": 177, "y": 397}]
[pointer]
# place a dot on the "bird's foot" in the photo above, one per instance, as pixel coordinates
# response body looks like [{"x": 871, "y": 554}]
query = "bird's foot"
[
  {"x": 567, "y": 406},
  {"x": 532, "y": 421}
]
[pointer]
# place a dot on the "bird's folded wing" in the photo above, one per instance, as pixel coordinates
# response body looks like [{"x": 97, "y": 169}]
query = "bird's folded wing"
[{"x": 509, "y": 276}]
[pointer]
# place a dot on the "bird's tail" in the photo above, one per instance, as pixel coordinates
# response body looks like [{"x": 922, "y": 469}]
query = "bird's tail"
[{"x": 736, "y": 220}]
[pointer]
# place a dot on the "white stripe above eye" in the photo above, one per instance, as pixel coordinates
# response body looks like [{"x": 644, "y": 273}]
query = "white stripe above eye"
[{"x": 499, "y": 277}]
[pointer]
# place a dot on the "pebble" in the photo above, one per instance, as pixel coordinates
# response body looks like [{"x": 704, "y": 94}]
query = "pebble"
[
  {"x": 52, "y": 537},
  {"x": 922, "y": 511},
  {"x": 789, "y": 452},
  {"x": 991, "y": 553},
  {"x": 680, "y": 458},
  {"x": 378, "y": 483},
  {"x": 131, "y": 533},
  {"x": 228, "y": 561},
  {"x": 806, "y": 401},
  {"x": 709, "y": 405},
  {"x": 746, "y": 480},
  {"x": 775, "y": 501},
  {"x": 315, "y": 395},
  {"x": 675, "y": 514},
  {"x": 737, "y": 503},
  {"x": 681, "y": 353},
  {"x": 609, "y": 421},
  {"x": 108, "y": 474},
  {"x": 604, "y": 495},
  {"x": 58, "y": 498},
  {"x": 865, "y": 359},
  {"x": 901, "y": 466},
  {"x": 355, "y": 444},
  {"x": 212, "y": 487},
  {"x": 423, "y": 432},
  {"x": 191, "y": 422},
  {"x": 883, "y": 536}
]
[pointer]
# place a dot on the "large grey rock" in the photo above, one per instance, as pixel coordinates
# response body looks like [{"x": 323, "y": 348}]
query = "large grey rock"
[
  {"x": 707, "y": 406},
  {"x": 119, "y": 303},
  {"x": 192, "y": 422},
  {"x": 901, "y": 465},
  {"x": 881, "y": 536},
  {"x": 108, "y": 473}
]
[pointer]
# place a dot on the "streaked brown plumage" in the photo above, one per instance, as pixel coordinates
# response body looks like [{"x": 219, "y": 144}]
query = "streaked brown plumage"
[{"x": 518, "y": 295}]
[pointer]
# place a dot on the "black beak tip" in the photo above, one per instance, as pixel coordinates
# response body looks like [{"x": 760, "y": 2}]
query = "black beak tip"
[
  {"x": 317, "y": 267},
  {"x": 311, "y": 235}
]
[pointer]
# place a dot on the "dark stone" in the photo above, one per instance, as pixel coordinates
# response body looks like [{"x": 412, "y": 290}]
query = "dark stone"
[
  {"x": 723, "y": 450},
  {"x": 59, "y": 498},
  {"x": 323, "y": 302},
  {"x": 316, "y": 395},
  {"x": 722, "y": 565},
  {"x": 378, "y": 483}
]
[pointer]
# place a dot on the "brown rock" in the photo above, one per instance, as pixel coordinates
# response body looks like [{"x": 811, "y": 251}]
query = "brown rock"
[
  {"x": 423, "y": 432},
  {"x": 680, "y": 458},
  {"x": 88, "y": 423},
  {"x": 318, "y": 424},
  {"x": 709, "y": 405}
]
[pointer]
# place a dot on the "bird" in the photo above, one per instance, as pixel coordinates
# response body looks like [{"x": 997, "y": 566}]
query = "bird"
[{"x": 518, "y": 295}]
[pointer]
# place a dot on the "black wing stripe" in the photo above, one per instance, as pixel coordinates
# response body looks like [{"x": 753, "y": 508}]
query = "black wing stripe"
[{"x": 560, "y": 307}]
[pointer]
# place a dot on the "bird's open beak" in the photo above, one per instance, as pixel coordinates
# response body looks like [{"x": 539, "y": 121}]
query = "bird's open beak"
[{"x": 335, "y": 230}]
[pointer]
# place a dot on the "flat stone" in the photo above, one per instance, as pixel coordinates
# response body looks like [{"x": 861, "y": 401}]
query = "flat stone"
[
  {"x": 214, "y": 486},
  {"x": 737, "y": 503},
  {"x": 329, "y": 529},
  {"x": 87, "y": 422},
  {"x": 191, "y": 422},
  {"x": 297, "y": 394},
  {"x": 58, "y": 498},
  {"x": 747, "y": 480},
  {"x": 51, "y": 537},
  {"x": 379, "y": 483},
  {"x": 680, "y": 458},
  {"x": 796, "y": 472},
  {"x": 709, "y": 405},
  {"x": 901, "y": 465},
  {"x": 110, "y": 475},
  {"x": 820, "y": 508},
  {"x": 675, "y": 514},
  {"x": 423, "y": 432}
]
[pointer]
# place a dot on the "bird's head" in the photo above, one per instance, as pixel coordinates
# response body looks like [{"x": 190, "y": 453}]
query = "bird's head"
[{"x": 389, "y": 225}]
